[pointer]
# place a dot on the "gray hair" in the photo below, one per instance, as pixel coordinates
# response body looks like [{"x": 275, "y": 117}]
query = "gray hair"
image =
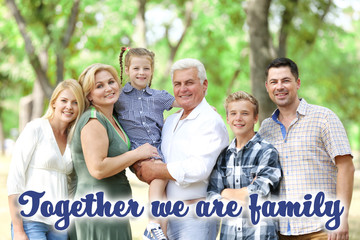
[{"x": 187, "y": 63}]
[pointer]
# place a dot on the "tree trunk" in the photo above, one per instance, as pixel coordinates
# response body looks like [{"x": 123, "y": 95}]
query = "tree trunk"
[
  {"x": 38, "y": 98},
  {"x": 31, "y": 106},
  {"x": 60, "y": 54},
  {"x": 286, "y": 19},
  {"x": 30, "y": 49},
  {"x": 25, "y": 111},
  {"x": 189, "y": 6},
  {"x": 261, "y": 52},
  {"x": 140, "y": 30}
]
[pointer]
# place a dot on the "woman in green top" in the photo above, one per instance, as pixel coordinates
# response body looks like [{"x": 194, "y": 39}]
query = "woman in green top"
[{"x": 100, "y": 152}]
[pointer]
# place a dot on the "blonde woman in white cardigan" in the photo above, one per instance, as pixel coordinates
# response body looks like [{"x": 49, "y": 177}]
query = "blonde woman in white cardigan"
[{"x": 41, "y": 161}]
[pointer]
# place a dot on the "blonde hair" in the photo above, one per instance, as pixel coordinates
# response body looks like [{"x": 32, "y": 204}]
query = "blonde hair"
[
  {"x": 87, "y": 78},
  {"x": 239, "y": 96},
  {"x": 75, "y": 89}
]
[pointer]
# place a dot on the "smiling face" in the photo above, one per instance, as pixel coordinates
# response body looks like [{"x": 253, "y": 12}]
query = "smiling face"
[
  {"x": 188, "y": 90},
  {"x": 241, "y": 118},
  {"x": 282, "y": 87},
  {"x": 139, "y": 71},
  {"x": 106, "y": 91},
  {"x": 66, "y": 106}
]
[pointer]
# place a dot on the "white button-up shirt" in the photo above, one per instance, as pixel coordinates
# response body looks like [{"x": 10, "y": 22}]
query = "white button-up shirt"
[{"x": 191, "y": 147}]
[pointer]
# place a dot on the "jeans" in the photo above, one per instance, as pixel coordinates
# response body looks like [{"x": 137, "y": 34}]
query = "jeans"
[
  {"x": 192, "y": 227},
  {"x": 41, "y": 231}
]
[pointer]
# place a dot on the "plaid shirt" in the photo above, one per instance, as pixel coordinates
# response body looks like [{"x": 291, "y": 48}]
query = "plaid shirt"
[
  {"x": 307, "y": 152},
  {"x": 236, "y": 169},
  {"x": 140, "y": 113}
]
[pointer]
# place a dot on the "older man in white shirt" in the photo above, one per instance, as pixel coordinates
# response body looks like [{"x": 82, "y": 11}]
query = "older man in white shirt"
[{"x": 191, "y": 142}]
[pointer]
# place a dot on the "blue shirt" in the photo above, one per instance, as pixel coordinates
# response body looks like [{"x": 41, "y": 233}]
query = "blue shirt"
[
  {"x": 237, "y": 168},
  {"x": 140, "y": 113}
]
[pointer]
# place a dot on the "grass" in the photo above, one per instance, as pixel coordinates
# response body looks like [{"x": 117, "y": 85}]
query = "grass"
[{"x": 140, "y": 194}]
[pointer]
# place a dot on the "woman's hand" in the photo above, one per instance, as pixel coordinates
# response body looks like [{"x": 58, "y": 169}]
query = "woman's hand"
[{"x": 147, "y": 151}]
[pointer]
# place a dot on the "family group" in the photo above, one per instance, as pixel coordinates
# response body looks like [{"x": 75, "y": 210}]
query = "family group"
[{"x": 95, "y": 128}]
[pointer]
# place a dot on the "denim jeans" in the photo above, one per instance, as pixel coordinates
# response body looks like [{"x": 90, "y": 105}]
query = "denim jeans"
[
  {"x": 41, "y": 231},
  {"x": 192, "y": 227}
]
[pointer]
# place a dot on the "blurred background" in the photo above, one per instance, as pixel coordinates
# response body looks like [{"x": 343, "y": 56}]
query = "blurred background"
[{"x": 43, "y": 42}]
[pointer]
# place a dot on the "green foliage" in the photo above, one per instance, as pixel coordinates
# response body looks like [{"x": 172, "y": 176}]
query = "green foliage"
[
  {"x": 329, "y": 72},
  {"x": 217, "y": 38},
  {"x": 327, "y": 55}
]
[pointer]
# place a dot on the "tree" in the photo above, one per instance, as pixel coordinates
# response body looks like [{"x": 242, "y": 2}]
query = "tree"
[
  {"x": 262, "y": 47},
  {"x": 38, "y": 54},
  {"x": 261, "y": 52}
]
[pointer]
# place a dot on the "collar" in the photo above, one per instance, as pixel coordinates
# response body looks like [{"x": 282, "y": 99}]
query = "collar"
[
  {"x": 196, "y": 111},
  {"x": 128, "y": 88},
  {"x": 301, "y": 110},
  {"x": 249, "y": 144}
]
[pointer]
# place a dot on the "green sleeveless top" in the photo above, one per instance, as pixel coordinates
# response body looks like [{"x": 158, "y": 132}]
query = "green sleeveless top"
[{"x": 115, "y": 188}]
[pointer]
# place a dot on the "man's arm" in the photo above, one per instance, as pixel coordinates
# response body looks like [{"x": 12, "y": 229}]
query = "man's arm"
[
  {"x": 149, "y": 170},
  {"x": 344, "y": 189}
]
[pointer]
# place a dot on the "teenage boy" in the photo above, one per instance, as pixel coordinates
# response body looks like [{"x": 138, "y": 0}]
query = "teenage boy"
[{"x": 248, "y": 165}]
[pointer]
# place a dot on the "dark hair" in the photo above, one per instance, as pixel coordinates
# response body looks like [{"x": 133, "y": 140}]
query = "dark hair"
[
  {"x": 284, "y": 62},
  {"x": 136, "y": 52}
]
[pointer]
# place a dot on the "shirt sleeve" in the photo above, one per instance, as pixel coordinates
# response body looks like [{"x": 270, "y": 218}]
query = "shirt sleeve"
[
  {"x": 21, "y": 157},
  {"x": 268, "y": 173},
  {"x": 166, "y": 99},
  {"x": 216, "y": 184},
  {"x": 211, "y": 138},
  {"x": 334, "y": 136}
]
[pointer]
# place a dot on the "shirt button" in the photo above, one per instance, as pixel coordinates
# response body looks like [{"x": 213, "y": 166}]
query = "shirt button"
[
  {"x": 139, "y": 98},
  {"x": 237, "y": 180},
  {"x": 140, "y": 112},
  {"x": 143, "y": 123}
]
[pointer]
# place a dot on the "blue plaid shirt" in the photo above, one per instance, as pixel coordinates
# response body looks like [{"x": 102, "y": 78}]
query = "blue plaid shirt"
[
  {"x": 140, "y": 113},
  {"x": 237, "y": 169}
]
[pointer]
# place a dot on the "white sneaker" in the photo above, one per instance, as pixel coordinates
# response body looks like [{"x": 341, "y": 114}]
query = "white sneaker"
[{"x": 153, "y": 231}]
